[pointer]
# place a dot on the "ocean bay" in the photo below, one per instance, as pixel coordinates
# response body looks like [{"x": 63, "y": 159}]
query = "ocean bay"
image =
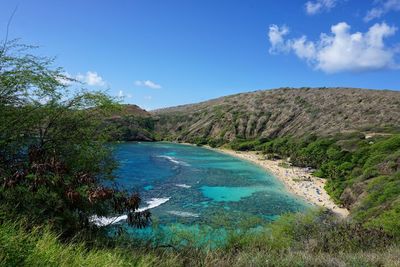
[{"x": 193, "y": 185}]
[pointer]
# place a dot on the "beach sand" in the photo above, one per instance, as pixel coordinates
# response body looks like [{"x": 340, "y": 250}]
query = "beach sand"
[{"x": 296, "y": 180}]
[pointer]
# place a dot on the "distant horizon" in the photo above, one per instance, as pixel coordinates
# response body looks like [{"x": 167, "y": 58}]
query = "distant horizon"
[{"x": 160, "y": 54}]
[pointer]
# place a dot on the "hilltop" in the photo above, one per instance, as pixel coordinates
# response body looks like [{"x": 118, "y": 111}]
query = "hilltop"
[{"x": 282, "y": 112}]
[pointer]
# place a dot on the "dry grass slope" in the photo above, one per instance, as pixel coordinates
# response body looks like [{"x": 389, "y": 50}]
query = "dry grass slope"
[{"x": 280, "y": 112}]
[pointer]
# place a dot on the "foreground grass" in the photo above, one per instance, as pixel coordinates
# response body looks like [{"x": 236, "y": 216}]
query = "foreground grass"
[
  {"x": 41, "y": 247},
  {"x": 294, "y": 240}
]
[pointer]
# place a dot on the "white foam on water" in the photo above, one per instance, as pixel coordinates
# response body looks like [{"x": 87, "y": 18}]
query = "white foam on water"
[
  {"x": 183, "y": 185},
  {"x": 154, "y": 202},
  {"x": 173, "y": 160},
  {"x": 183, "y": 213},
  {"x": 103, "y": 221}
]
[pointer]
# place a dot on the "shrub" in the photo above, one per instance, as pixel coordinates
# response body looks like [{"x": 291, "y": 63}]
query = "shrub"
[{"x": 244, "y": 145}]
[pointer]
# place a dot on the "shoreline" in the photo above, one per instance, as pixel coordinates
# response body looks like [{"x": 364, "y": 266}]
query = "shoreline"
[{"x": 296, "y": 180}]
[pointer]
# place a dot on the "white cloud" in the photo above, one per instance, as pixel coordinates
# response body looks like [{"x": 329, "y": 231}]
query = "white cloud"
[
  {"x": 318, "y": 6},
  {"x": 148, "y": 84},
  {"x": 91, "y": 78},
  {"x": 342, "y": 50},
  {"x": 304, "y": 49},
  {"x": 383, "y": 8},
  {"x": 149, "y": 97},
  {"x": 276, "y": 36}
]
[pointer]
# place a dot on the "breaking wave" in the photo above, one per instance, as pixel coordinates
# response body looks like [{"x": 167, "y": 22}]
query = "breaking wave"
[
  {"x": 154, "y": 202},
  {"x": 103, "y": 221}
]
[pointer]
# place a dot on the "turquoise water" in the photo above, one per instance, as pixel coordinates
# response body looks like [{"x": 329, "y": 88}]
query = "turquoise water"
[
  {"x": 228, "y": 194},
  {"x": 199, "y": 186}
]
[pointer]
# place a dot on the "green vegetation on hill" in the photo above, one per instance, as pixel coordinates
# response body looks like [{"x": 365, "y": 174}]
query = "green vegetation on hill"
[
  {"x": 131, "y": 123},
  {"x": 362, "y": 174}
]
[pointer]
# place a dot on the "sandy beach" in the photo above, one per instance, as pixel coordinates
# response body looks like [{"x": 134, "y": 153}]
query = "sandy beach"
[{"x": 296, "y": 180}]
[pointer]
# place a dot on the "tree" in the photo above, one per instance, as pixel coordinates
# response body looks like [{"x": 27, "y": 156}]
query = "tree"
[{"x": 54, "y": 157}]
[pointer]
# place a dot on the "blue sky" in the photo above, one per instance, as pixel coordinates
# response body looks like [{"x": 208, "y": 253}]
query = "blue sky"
[{"x": 159, "y": 53}]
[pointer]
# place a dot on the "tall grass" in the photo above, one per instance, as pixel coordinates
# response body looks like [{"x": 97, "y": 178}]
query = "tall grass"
[
  {"x": 313, "y": 239},
  {"x": 41, "y": 247}
]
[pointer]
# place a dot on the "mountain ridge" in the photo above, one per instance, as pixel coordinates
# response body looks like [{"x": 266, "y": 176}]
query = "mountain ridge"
[
  {"x": 279, "y": 112},
  {"x": 157, "y": 110}
]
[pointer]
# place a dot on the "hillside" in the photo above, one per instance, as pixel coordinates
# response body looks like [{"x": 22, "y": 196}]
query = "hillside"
[
  {"x": 131, "y": 124},
  {"x": 131, "y": 110},
  {"x": 281, "y": 112}
]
